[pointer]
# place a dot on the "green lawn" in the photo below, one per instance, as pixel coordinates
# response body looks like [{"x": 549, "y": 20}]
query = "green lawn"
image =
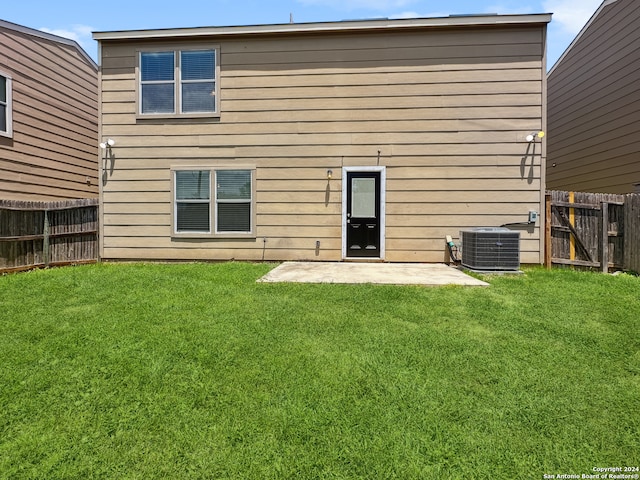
[{"x": 133, "y": 371}]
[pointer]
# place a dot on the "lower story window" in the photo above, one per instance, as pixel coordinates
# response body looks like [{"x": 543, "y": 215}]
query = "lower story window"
[
  {"x": 193, "y": 201},
  {"x": 233, "y": 201},
  {"x": 213, "y": 202}
]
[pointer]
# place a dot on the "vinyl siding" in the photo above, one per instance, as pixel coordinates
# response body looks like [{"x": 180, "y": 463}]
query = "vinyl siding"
[
  {"x": 594, "y": 106},
  {"x": 446, "y": 112},
  {"x": 52, "y": 154}
]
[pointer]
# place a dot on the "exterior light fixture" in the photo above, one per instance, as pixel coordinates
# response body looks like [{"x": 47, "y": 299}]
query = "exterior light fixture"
[
  {"x": 531, "y": 137},
  {"x": 329, "y": 174},
  {"x": 108, "y": 143}
]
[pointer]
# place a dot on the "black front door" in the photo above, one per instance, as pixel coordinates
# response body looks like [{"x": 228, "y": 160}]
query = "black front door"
[{"x": 363, "y": 214}]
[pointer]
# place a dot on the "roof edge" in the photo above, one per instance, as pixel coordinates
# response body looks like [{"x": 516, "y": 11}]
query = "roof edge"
[
  {"x": 344, "y": 26},
  {"x": 49, "y": 36},
  {"x": 593, "y": 18}
]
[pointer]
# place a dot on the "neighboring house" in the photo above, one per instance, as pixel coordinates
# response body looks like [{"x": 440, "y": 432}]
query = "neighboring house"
[
  {"x": 48, "y": 117},
  {"x": 321, "y": 141},
  {"x": 594, "y": 105}
]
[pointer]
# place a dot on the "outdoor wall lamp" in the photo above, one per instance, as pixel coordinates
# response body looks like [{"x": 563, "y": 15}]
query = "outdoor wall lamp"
[
  {"x": 329, "y": 174},
  {"x": 107, "y": 144},
  {"x": 531, "y": 137}
]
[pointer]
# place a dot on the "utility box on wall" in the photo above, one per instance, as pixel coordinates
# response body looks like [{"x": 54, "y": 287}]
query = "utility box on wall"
[{"x": 490, "y": 248}]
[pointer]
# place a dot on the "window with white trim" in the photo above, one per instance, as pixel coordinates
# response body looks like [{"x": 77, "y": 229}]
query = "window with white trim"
[
  {"x": 178, "y": 83},
  {"x": 217, "y": 202},
  {"x": 5, "y": 106}
]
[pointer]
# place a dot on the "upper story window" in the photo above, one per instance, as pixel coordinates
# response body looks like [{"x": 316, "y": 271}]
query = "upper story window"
[
  {"x": 178, "y": 83},
  {"x": 5, "y": 106}
]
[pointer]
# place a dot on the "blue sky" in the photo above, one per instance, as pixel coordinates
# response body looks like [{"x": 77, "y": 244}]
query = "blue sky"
[{"x": 76, "y": 19}]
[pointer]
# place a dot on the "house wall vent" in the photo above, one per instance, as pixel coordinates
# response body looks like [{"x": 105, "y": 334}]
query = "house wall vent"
[{"x": 490, "y": 248}]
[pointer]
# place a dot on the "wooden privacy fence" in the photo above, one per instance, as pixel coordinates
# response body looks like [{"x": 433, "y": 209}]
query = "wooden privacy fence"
[
  {"x": 41, "y": 234},
  {"x": 593, "y": 230}
]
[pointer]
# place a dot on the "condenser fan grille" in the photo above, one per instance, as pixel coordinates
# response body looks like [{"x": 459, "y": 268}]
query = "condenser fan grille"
[{"x": 490, "y": 249}]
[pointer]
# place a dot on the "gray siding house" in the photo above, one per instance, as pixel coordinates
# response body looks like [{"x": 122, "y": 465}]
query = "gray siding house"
[
  {"x": 48, "y": 117},
  {"x": 594, "y": 105}
]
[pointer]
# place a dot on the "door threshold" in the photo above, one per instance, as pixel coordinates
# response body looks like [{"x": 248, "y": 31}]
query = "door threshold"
[{"x": 363, "y": 259}]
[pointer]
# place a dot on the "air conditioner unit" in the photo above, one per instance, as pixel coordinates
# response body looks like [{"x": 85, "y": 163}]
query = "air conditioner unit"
[{"x": 490, "y": 248}]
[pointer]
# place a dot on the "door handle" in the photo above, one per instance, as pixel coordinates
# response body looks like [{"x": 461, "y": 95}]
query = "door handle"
[{"x": 348, "y": 215}]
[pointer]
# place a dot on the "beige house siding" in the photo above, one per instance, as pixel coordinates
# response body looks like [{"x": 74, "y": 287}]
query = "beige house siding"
[
  {"x": 594, "y": 106},
  {"x": 52, "y": 153},
  {"x": 446, "y": 111}
]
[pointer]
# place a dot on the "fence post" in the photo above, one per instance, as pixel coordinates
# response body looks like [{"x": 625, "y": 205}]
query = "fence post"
[
  {"x": 632, "y": 233},
  {"x": 604, "y": 241},
  {"x": 572, "y": 223},
  {"x": 45, "y": 240},
  {"x": 547, "y": 232}
]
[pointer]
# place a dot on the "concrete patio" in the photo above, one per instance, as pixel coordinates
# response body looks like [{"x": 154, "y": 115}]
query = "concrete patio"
[{"x": 427, "y": 274}]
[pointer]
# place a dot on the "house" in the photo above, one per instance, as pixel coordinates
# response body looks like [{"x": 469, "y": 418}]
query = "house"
[
  {"x": 48, "y": 117},
  {"x": 354, "y": 140},
  {"x": 594, "y": 105}
]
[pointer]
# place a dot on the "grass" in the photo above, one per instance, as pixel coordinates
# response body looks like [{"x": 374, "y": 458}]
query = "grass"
[{"x": 135, "y": 371}]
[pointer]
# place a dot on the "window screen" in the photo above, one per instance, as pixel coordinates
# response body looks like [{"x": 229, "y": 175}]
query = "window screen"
[
  {"x": 4, "y": 104},
  {"x": 198, "y": 81},
  {"x": 233, "y": 198},
  {"x": 157, "y": 75},
  {"x": 192, "y": 191}
]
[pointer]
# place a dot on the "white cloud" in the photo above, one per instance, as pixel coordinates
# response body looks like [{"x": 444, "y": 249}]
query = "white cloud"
[
  {"x": 504, "y": 10},
  {"x": 61, "y": 33},
  {"x": 74, "y": 34},
  {"x": 360, "y": 4},
  {"x": 571, "y": 15},
  {"x": 500, "y": 9},
  {"x": 418, "y": 15},
  {"x": 83, "y": 30},
  {"x": 78, "y": 33},
  {"x": 406, "y": 15}
]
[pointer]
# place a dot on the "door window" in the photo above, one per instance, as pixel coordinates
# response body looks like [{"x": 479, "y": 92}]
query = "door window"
[{"x": 363, "y": 197}]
